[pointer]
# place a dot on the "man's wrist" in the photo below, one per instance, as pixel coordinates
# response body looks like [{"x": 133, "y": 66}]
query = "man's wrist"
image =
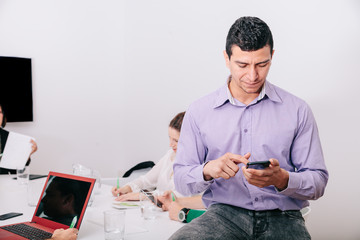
[
  {"x": 182, "y": 216},
  {"x": 206, "y": 176},
  {"x": 284, "y": 180}
]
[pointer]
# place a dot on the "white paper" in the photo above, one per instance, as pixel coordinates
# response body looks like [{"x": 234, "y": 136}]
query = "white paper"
[{"x": 17, "y": 151}]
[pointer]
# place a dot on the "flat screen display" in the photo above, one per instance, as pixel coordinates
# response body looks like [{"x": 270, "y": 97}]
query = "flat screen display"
[
  {"x": 63, "y": 199},
  {"x": 16, "y": 89}
]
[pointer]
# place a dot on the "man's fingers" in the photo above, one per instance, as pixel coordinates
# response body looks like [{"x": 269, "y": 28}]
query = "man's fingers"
[
  {"x": 230, "y": 171},
  {"x": 259, "y": 178},
  {"x": 274, "y": 162},
  {"x": 231, "y": 166},
  {"x": 238, "y": 158}
]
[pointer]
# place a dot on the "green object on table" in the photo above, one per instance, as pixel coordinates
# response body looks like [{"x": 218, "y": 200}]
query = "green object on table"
[{"x": 129, "y": 204}]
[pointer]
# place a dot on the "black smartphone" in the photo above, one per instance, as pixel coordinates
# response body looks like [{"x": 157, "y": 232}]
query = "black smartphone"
[
  {"x": 9, "y": 215},
  {"x": 151, "y": 197},
  {"x": 258, "y": 164}
]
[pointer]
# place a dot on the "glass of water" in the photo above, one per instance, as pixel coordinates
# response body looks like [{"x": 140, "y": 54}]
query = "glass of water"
[
  {"x": 22, "y": 175},
  {"x": 81, "y": 170},
  {"x": 148, "y": 206},
  {"x": 114, "y": 224}
]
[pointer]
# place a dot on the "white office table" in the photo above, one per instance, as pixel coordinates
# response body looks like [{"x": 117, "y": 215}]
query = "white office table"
[{"x": 13, "y": 198}]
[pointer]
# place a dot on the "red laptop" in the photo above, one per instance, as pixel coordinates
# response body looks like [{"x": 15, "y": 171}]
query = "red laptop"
[{"x": 62, "y": 203}]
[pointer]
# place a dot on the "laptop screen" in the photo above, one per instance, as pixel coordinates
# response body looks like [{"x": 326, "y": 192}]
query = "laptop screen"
[{"x": 64, "y": 199}]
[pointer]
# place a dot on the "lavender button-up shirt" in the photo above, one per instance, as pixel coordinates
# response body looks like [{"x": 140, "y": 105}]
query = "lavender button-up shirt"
[{"x": 277, "y": 125}]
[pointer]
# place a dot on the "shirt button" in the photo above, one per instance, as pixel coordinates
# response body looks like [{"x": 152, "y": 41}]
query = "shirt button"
[{"x": 245, "y": 130}]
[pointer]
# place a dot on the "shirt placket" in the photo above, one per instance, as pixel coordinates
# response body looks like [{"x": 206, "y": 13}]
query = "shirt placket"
[{"x": 247, "y": 133}]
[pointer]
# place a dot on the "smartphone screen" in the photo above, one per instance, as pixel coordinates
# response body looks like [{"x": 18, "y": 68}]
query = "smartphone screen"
[
  {"x": 152, "y": 198},
  {"x": 9, "y": 215},
  {"x": 258, "y": 164}
]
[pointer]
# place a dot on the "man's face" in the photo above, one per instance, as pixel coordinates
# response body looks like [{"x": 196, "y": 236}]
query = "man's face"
[
  {"x": 248, "y": 70},
  {"x": 57, "y": 204},
  {"x": 52, "y": 201}
]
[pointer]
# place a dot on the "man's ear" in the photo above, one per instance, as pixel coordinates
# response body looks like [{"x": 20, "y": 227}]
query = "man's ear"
[
  {"x": 227, "y": 59},
  {"x": 272, "y": 54}
]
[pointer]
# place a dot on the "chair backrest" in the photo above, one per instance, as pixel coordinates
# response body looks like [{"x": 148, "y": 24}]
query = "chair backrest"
[{"x": 142, "y": 165}]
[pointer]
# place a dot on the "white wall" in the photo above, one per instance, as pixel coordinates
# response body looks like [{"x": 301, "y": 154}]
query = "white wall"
[{"x": 108, "y": 76}]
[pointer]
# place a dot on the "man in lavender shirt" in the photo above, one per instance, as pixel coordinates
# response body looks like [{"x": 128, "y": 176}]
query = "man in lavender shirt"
[{"x": 249, "y": 119}]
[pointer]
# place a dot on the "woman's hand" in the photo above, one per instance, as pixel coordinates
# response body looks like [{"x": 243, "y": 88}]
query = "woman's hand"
[
  {"x": 121, "y": 191},
  {"x": 133, "y": 196},
  {"x": 33, "y": 146}
]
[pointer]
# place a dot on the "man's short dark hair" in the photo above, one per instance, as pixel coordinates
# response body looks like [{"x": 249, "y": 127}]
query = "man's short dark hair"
[
  {"x": 249, "y": 34},
  {"x": 78, "y": 189}
]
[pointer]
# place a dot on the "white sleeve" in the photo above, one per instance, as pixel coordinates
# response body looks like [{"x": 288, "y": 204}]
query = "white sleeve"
[{"x": 149, "y": 180}]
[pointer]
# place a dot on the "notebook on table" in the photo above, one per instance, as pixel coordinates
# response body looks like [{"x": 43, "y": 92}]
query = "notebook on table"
[{"x": 63, "y": 200}]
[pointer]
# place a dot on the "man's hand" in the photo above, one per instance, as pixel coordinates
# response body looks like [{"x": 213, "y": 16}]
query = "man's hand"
[
  {"x": 273, "y": 175},
  {"x": 68, "y": 234},
  {"x": 225, "y": 166},
  {"x": 170, "y": 205},
  {"x": 174, "y": 209},
  {"x": 166, "y": 199}
]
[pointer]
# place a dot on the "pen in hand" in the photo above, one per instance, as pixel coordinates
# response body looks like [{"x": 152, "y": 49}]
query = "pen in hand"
[
  {"x": 173, "y": 196},
  {"x": 118, "y": 186},
  {"x": 73, "y": 222}
]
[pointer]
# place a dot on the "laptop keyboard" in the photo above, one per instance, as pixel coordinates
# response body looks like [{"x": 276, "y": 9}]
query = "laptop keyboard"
[{"x": 28, "y": 232}]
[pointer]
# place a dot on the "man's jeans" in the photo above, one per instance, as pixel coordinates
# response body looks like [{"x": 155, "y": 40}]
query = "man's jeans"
[{"x": 228, "y": 222}]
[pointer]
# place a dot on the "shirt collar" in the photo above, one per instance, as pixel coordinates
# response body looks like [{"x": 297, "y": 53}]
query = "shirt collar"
[{"x": 224, "y": 94}]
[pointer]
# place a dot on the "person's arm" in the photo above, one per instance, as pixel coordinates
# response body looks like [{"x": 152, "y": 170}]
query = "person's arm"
[
  {"x": 189, "y": 202},
  {"x": 194, "y": 202},
  {"x": 190, "y": 159},
  {"x": 310, "y": 179},
  {"x": 191, "y": 174},
  {"x": 68, "y": 234},
  {"x": 180, "y": 213},
  {"x": 148, "y": 180}
]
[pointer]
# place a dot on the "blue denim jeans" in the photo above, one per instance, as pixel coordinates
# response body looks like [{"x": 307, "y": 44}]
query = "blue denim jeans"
[{"x": 222, "y": 221}]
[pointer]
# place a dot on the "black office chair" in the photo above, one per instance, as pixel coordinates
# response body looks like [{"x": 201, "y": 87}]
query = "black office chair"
[{"x": 142, "y": 165}]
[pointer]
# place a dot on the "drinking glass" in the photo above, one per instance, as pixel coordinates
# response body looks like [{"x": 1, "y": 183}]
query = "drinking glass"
[{"x": 114, "y": 224}]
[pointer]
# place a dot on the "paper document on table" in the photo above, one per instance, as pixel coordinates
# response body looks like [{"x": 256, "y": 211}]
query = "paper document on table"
[
  {"x": 17, "y": 151},
  {"x": 125, "y": 205}
]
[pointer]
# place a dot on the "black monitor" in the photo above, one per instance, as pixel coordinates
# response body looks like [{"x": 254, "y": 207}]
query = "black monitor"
[{"x": 16, "y": 89}]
